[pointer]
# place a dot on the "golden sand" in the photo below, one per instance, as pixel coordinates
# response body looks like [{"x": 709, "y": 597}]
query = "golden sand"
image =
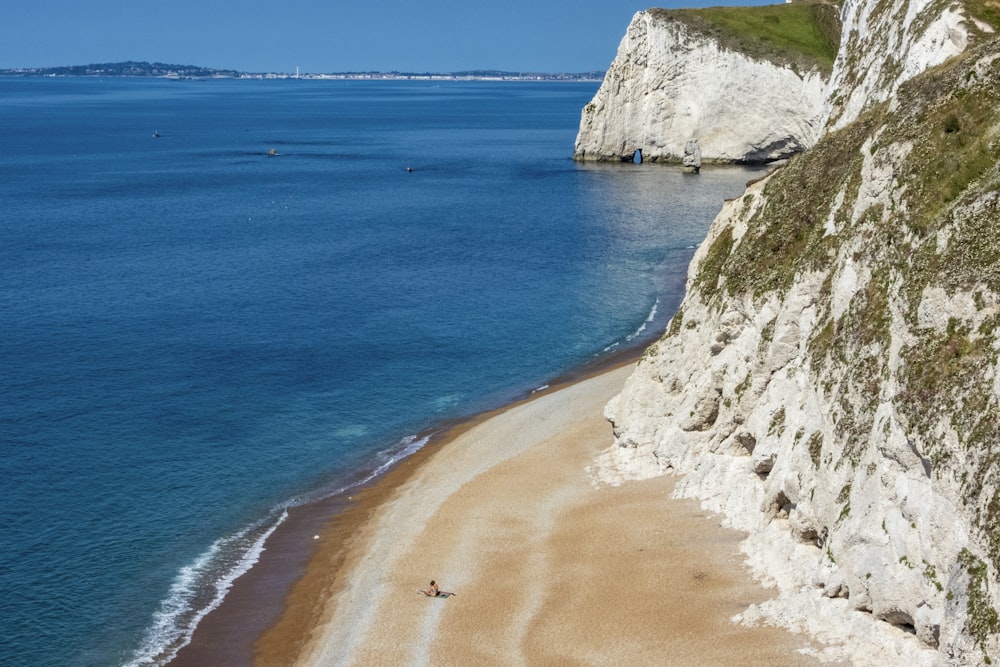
[{"x": 546, "y": 567}]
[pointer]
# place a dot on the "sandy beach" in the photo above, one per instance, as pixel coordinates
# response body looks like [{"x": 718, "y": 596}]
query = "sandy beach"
[{"x": 546, "y": 567}]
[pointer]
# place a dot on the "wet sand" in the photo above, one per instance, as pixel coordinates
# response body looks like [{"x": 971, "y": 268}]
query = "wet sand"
[{"x": 546, "y": 567}]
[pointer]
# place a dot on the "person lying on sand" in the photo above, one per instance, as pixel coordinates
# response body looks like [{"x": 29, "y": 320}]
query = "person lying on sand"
[{"x": 434, "y": 592}]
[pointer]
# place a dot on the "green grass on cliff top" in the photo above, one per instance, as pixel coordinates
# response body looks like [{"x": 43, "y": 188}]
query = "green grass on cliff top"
[{"x": 802, "y": 35}]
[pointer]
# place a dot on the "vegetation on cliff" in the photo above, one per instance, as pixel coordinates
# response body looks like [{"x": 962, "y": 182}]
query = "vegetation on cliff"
[
  {"x": 803, "y": 35},
  {"x": 903, "y": 204}
]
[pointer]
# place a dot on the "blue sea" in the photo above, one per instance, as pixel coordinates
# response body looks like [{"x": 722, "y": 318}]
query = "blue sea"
[{"x": 198, "y": 334}]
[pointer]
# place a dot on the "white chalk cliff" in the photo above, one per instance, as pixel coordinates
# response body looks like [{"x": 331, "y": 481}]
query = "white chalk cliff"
[
  {"x": 880, "y": 50},
  {"x": 831, "y": 382},
  {"x": 670, "y": 83}
]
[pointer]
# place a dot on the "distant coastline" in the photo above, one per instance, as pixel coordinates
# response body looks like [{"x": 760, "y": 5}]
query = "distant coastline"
[{"x": 165, "y": 71}]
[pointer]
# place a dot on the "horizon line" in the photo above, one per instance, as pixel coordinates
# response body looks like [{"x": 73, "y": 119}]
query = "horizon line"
[{"x": 137, "y": 66}]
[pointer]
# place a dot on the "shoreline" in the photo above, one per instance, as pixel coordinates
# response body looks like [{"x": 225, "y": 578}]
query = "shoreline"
[
  {"x": 304, "y": 605},
  {"x": 503, "y": 512},
  {"x": 258, "y": 599}
]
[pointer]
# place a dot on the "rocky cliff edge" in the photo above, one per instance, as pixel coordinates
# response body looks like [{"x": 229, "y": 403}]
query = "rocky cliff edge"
[{"x": 831, "y": 382}]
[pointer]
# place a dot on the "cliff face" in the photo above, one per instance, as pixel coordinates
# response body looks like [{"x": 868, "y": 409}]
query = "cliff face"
[
  {"x": 831, "y": 382},
  {"x": 673, "y": 79},
  {"x": 670, "y": 83},
  {"x": 885, "y": 44}
]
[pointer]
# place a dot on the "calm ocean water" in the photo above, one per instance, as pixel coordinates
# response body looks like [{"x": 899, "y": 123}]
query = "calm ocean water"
[{"x": 197, "y": 335}]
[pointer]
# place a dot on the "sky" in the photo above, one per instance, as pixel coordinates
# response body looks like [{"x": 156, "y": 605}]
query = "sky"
[{"x": 325, "y": 35}]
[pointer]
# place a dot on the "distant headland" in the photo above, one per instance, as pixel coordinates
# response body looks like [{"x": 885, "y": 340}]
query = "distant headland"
[{"x": 161, "y": 70}]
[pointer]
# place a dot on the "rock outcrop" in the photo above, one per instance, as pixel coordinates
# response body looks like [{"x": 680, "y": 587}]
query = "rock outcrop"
[
  {"x": 831, "y": 382},
  {"x": 692, "y": 156},
  {"x": 671, "y": 81}
]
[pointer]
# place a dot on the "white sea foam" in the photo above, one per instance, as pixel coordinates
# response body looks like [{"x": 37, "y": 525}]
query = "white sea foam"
[
  {"x": 201, "y": 586},
  {"x": 389, "y": 457},
  {"x": 642, "y": 327},
  {"x": 198, "y": 589},
  {"x": 384, "y": 460},
  {"x": 646, "y": 323}
]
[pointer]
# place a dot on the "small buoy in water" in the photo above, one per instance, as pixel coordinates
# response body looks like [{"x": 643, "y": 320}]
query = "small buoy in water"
[{"x": 409, "y": 169}]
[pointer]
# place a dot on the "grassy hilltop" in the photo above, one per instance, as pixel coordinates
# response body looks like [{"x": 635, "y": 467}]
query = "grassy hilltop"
[{"x": 803, "y": 35}]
